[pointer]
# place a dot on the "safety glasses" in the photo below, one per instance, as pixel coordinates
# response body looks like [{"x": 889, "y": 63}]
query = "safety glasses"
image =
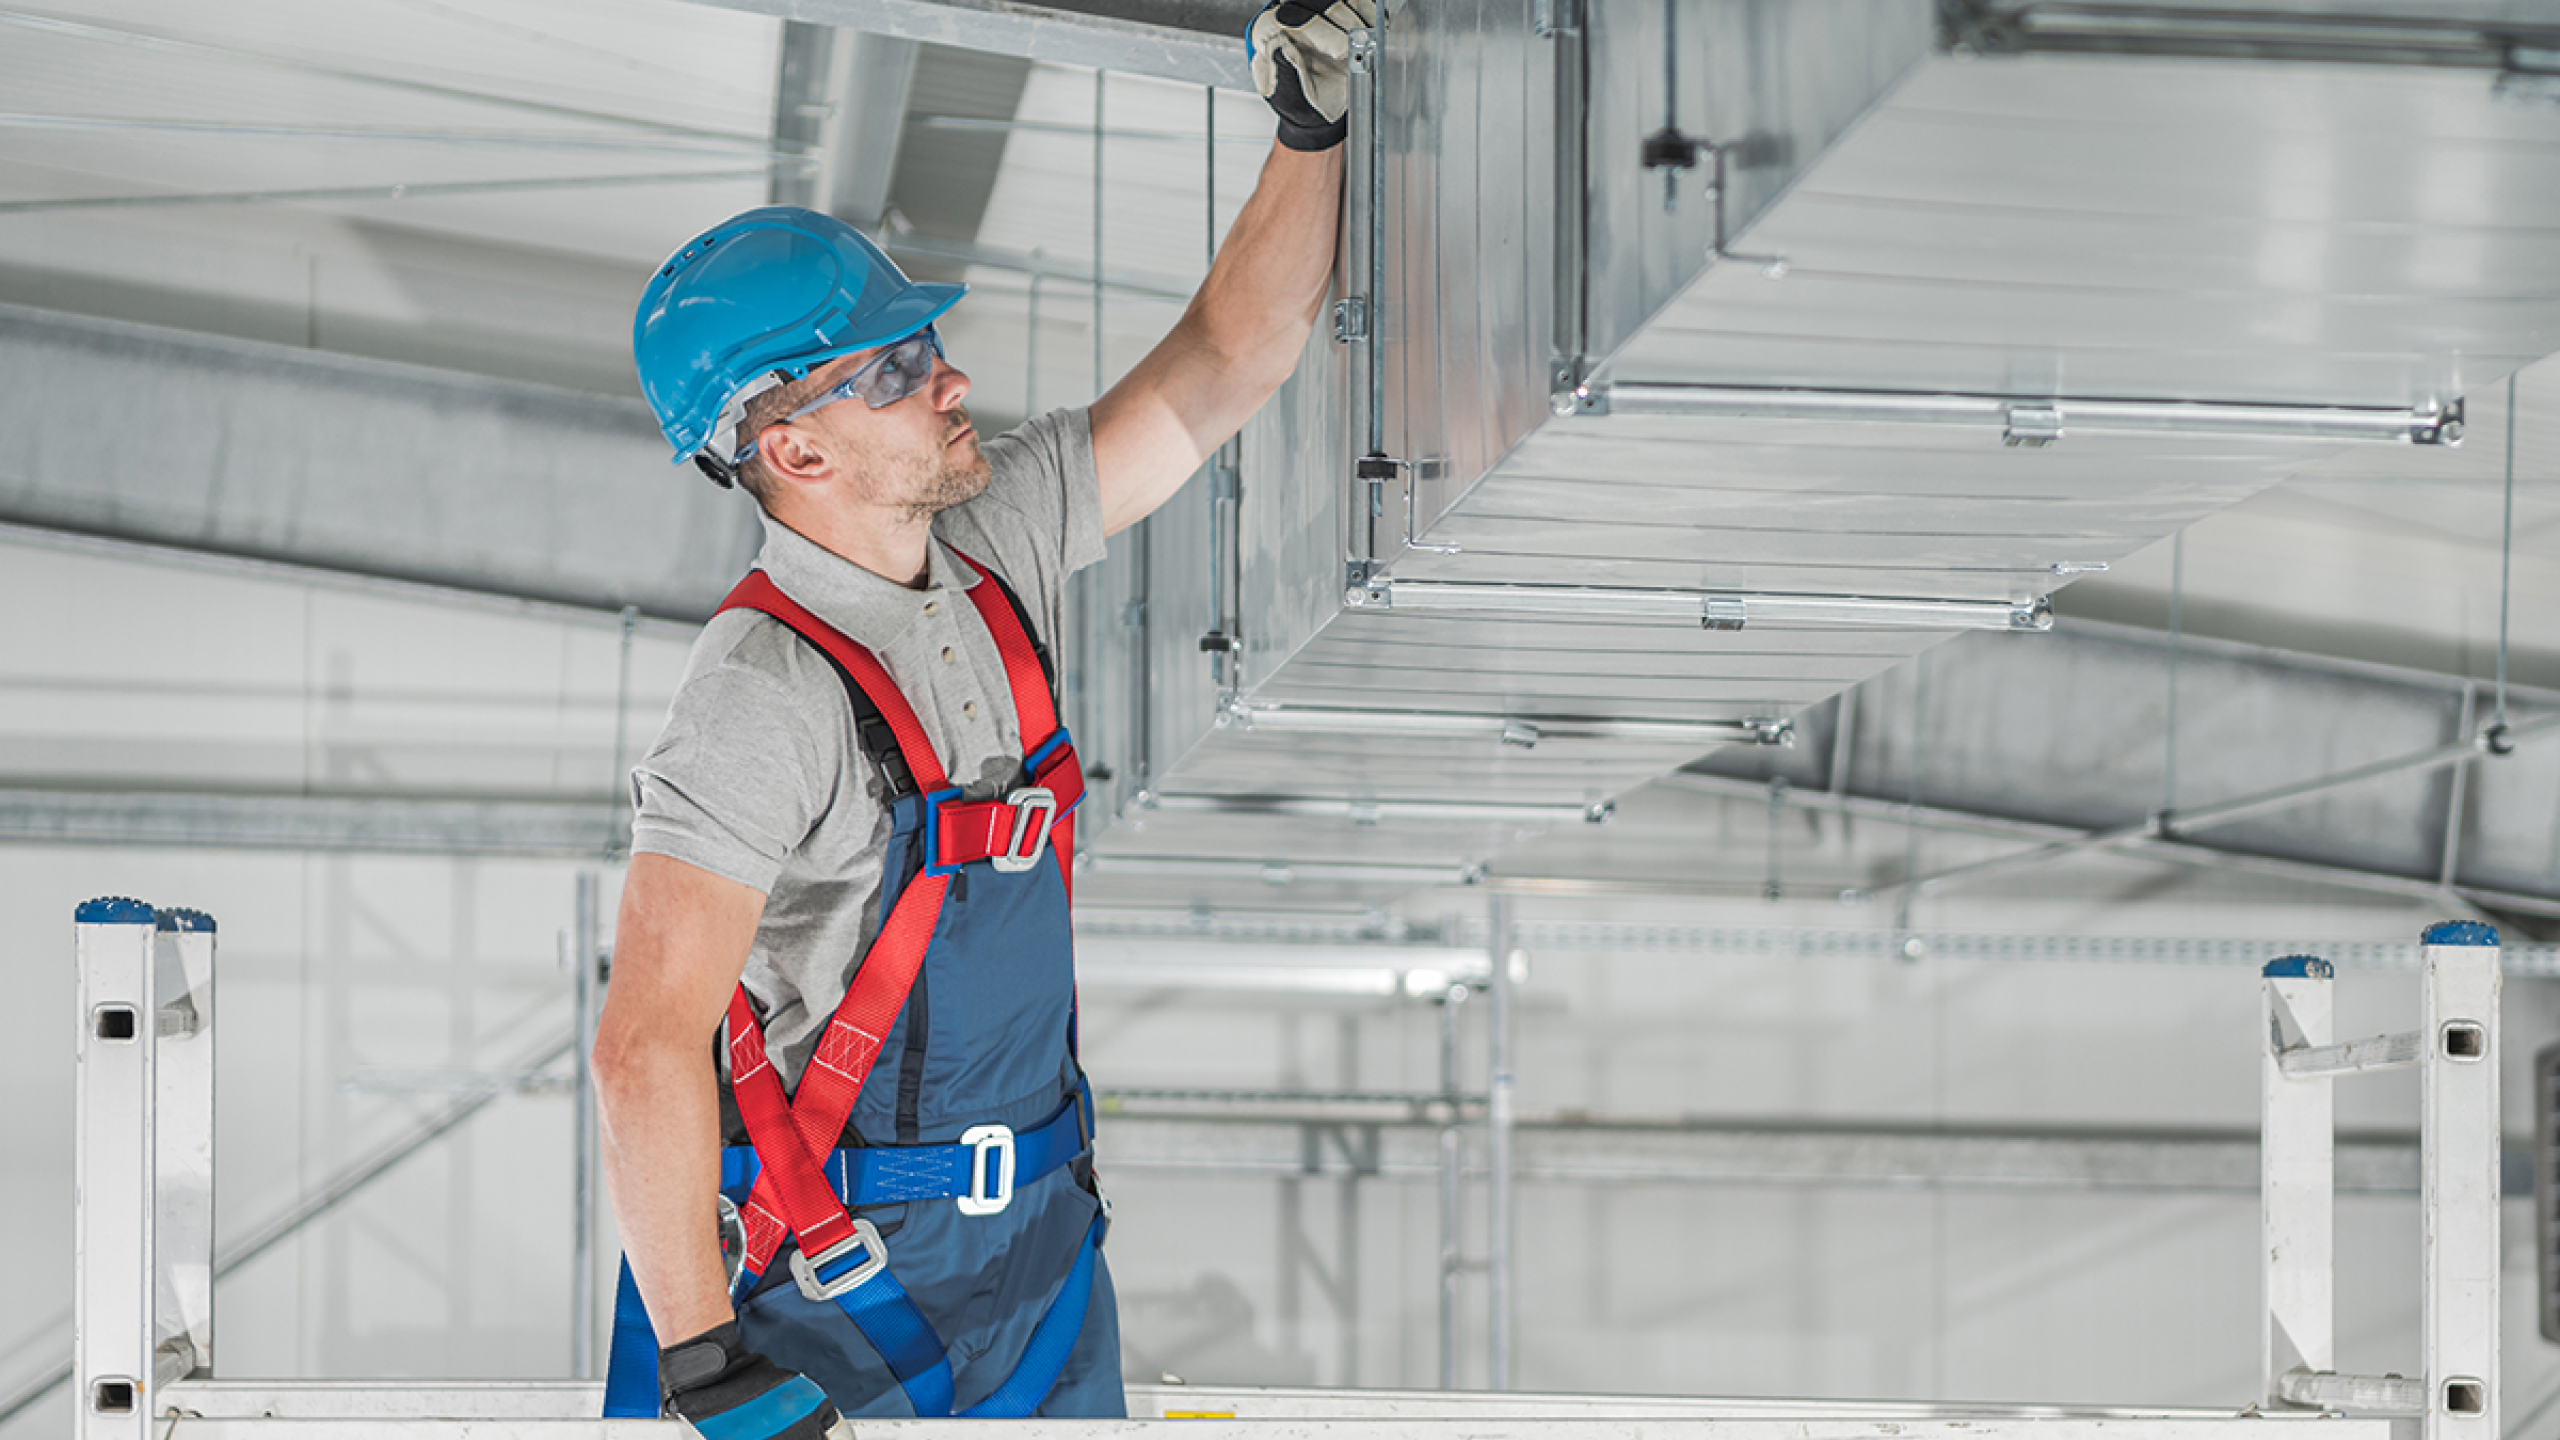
[{"x": 891, "y": 376}]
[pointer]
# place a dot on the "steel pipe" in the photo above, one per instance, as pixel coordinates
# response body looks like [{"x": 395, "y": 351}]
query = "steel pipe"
[
  {"x": 1499, "y": 1120},
  {"x": 585, "y": 947}
]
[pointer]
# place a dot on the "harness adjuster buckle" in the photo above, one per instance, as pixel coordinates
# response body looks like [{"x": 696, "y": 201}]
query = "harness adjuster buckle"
[
  {"x": 1031, "y": 804},
  {"x": 865, "y": 1236},
  {"x": 982, "y": 1141}
]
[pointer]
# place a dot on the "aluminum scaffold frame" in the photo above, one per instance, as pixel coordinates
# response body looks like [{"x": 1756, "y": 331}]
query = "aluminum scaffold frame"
[{"x": 143, "y": 1352}]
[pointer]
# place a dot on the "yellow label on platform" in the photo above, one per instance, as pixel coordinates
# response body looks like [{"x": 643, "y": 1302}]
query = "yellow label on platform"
[{"x": 1199, "y": 1414}]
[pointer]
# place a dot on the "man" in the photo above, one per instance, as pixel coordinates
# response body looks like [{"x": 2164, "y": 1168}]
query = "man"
[{"x": 850, "y": 838}]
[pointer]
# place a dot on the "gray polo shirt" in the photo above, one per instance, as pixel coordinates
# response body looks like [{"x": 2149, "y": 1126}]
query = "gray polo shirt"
[{"x": 756, "y": 777}]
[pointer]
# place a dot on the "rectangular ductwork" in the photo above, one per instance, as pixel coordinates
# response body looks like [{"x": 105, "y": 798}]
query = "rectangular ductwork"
[{"x": 1697, "y": 360}]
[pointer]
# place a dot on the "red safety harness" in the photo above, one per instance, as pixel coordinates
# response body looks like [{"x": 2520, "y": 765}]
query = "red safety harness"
[{"x": 794, "y": 1135}]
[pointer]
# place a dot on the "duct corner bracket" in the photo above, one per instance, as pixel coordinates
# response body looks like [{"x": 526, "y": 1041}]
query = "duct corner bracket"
[
  {"x": 2438, "y": 427},
  {"x": 1364, "y": 589},
  {"x": 1570, "y": 393}
]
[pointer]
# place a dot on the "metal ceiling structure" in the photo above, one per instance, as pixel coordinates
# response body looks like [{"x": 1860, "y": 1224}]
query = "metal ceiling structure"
[
  {"x": 1670, "y": 425},
  {"x": 2144, "y": 244}
]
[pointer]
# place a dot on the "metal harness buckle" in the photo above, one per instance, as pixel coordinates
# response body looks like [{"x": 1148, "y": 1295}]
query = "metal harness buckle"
[
  {"x": 804, "y": 1267},
  {"x": 1027, "y": 802},
  {"x": 982, "y": 1139}
]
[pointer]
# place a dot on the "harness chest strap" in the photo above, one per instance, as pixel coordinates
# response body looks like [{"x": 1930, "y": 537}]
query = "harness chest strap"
[
  {"x": 792, "y": 1195},
  {"x": 791, "y": 1133},
  {"x": 1035, "y": 712}
]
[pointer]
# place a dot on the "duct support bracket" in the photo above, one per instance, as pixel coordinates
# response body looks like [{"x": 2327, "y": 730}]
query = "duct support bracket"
[
  {"x": 2029, "y": 422},
  {"x": 1517, "y": 731},
  {"x": 1713, "y": 610}
]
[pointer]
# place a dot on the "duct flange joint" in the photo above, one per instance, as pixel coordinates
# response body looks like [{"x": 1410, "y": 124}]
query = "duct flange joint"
[{"x": 2032, "y": 427}]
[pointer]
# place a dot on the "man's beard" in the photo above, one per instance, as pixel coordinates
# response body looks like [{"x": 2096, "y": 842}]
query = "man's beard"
[
  {"x": 955, "y": 482},
  {"x": 955, "y": 477}
]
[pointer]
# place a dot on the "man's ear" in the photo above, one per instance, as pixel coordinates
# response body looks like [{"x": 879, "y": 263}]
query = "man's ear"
[{"x": 790, "y": 457}]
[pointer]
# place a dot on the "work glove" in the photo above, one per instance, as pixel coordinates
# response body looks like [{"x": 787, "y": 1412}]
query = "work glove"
[
  {"x": 726, "y": 1391},
  {"x": 1301, "y": 54}
]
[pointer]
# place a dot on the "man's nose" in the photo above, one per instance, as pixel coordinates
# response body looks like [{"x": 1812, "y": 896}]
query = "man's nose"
[{"x": 950, "y": 385}]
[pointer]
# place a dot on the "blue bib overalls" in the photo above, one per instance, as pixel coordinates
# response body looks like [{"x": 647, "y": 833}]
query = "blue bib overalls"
[{"x": 972, "y": 1281}]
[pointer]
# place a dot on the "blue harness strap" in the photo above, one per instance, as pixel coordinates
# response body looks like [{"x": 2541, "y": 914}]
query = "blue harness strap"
[
  {"x": 880, "y": 1307},
  {"x": 631, "y": 1363},
  {"x": 892, "y": 1174},
  {"x": 887, "y": 1316},
  {"x": 1045, "y": 1358}
]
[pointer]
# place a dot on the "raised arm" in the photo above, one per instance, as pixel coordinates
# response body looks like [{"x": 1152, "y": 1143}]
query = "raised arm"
[
  {"x": 1242, "y": 334},
  {"x": 1233, "y": 347}
]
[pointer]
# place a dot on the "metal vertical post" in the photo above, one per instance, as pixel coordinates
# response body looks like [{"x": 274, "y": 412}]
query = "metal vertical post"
[
  {"x": 1453, "y": 1229},
  {"x": 1498, "y": 1115},
  {"x": 585, "y": 949},
  {"x": 112, "y": 1170},
  {"x": 2169, "y": 739},
  {"x": 1031, "y": 342},
  {"x": 2296, "y": 1157},
  {"x": 1099, "y": 77},
  {"x": 617, "y": 840},
  {"x": 182, "y": 1146},
  {"x": 2458, "y": 789},
  {"x": 1376, "y": 49},
  {"x": 2458, "y": 1185}
]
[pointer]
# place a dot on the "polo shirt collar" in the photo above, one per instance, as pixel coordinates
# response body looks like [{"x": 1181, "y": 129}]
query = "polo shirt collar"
[{"x": 871, "y": 610}]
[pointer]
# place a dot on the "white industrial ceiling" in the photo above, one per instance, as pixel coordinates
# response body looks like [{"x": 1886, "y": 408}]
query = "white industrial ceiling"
[{"x": 479, "y": 188}]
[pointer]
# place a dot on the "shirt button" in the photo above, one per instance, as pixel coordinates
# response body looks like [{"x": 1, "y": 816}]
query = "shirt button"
[
  {"x": 933, "y": 607},
  {"x": 970, "y": 709},
  {"x": 949, "y": 655}
]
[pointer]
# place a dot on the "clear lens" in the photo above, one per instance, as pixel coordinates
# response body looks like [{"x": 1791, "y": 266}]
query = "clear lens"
[{"x": 891, "y": 376}]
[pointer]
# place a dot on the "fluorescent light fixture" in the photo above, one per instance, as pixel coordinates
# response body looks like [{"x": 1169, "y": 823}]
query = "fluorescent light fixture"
[
  {"x": 1380, "y": 969},
  {"x": 2036, "y": 421},
  {"x": 1378, "y": 812},
  {"x": 1716, "y": 610},
  {"x": 1524, "y": 731},
  {"x": 1279, "y": 873}
]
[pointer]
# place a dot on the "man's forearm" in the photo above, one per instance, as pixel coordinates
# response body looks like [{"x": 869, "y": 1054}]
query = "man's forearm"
[
  {"x": 660, "y": 1111},
  {"x": 1267, "y": 286}
]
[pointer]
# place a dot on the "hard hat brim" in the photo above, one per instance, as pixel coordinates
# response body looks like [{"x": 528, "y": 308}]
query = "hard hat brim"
[{"x": 919, "y": 305}]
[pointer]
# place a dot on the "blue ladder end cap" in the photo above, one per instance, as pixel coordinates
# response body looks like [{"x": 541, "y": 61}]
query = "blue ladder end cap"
[
  {"x": 186, "y": 922},
  {"x": 113, "y": 910},
  {"x": 2461, "y": 932},
  {"x": 2300, "y": 967}
]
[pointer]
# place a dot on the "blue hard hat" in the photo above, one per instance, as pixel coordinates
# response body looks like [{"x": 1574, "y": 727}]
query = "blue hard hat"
[{"x": 778, "y": 288}]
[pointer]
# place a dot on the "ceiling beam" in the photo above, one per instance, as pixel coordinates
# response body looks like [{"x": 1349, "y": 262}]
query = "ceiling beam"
[
  {"x": 1199, "y": 41},
  {"x": 312, "y": 459},
  {"x": 390, "y": 825}
]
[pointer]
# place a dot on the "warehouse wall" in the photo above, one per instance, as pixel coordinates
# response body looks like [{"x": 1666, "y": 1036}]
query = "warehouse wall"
[{"x": 335, "y": 965}]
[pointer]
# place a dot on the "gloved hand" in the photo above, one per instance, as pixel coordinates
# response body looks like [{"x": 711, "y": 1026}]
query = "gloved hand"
[
  {"x": 726, "y": 1391},
  {"x": 1301, "y": 53}
]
